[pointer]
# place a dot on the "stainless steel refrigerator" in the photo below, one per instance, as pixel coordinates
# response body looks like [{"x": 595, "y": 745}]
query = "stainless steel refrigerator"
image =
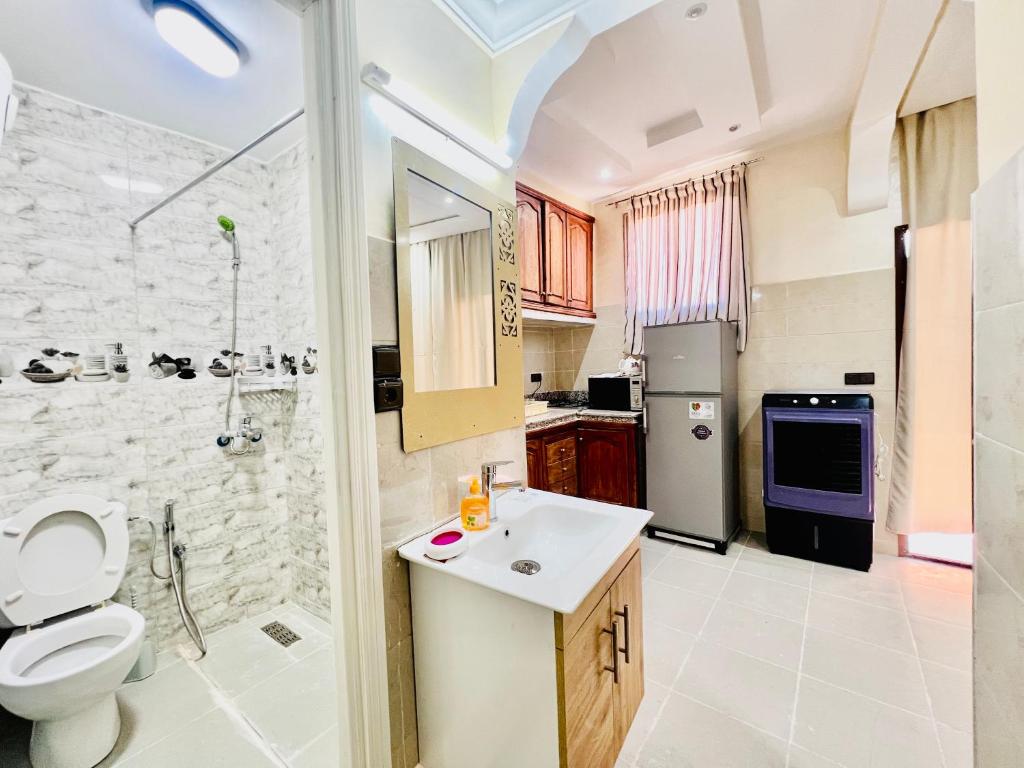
[{"x": 691, "y": 423}]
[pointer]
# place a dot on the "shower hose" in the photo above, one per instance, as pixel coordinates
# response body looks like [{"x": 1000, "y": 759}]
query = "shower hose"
[{"x": 176, "y": 552}]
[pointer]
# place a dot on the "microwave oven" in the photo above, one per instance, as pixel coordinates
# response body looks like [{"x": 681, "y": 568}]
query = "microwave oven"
[{"x": 617, "y": 392}]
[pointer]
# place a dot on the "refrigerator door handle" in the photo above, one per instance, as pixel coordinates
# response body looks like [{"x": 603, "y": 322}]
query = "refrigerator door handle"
[{"x": 644, "y": 418}]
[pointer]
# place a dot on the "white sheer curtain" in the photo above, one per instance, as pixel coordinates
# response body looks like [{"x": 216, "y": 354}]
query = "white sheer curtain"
[
  {"x": 686, "y": 252},
  {"x": 931, "y": 465},
  {"x": 453, "y": 311}
]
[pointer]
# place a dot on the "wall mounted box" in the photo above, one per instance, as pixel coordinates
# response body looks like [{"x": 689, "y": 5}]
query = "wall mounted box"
[
  {"x": 387, "y": 395},
  {"x": 387, "y": 362}
]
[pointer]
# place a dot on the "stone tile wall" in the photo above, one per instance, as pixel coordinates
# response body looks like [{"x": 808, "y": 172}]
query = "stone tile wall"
[{"x": 73, "y": 276}]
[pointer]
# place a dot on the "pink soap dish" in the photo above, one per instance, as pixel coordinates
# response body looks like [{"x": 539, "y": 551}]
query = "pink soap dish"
[{"x": 446, "y": 544}]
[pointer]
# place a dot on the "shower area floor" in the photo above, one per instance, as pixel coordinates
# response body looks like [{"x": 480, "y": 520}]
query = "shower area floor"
[{"x": 250, "y": 702}]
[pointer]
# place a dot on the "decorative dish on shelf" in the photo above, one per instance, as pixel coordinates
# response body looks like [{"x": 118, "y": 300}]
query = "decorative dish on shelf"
[{"x": 46, "y": 378}]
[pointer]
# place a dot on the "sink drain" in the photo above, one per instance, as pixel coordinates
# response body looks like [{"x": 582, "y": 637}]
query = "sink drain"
[{"x": 528, "y": 567}]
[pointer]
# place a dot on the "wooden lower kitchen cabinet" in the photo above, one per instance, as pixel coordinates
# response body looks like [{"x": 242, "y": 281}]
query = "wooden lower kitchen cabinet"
[{"x": 590, "y": 459}]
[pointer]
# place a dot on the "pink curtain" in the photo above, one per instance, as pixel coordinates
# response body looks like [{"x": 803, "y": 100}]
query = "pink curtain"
[{"x": 686, "y": 255}]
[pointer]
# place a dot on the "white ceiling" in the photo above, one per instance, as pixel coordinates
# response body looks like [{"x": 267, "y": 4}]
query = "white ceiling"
[
  {"x": 500, "y": 24},
  {"x": 436, "y": 212},
  {"x": 107, "y": 53},
  {"x": 779, "y": 69},
  {"x": 946, "y": 72}
]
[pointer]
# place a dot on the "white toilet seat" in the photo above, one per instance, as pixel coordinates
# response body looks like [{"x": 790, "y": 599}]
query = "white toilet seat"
[{"x": 60, "y": 554}]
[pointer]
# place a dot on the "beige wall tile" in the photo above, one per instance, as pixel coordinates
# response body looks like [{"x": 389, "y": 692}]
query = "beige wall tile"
[
  {"x": 999, "y": 239},
  {"x": 999, "y": 374}
]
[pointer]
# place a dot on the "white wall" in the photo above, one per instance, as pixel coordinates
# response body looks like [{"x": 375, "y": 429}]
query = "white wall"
[{"x": 999, "y": 32}]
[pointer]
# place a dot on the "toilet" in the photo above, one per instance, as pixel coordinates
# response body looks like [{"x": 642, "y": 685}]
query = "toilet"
[{"x": 61, "y": 560}]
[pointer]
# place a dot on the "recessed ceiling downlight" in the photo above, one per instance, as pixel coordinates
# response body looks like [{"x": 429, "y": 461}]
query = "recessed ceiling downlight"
[
  {"x": 188, "y": 30},
  {"x": 696, "y": 11}
]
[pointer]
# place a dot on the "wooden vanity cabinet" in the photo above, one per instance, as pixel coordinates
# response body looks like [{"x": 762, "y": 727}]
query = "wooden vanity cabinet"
[
  {"x": 556, "y": 253},
  {"x": 599, "y": 663}
]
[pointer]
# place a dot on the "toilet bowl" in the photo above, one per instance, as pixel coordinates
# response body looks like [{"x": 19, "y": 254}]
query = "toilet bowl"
[{"x": 61, "y": 559}]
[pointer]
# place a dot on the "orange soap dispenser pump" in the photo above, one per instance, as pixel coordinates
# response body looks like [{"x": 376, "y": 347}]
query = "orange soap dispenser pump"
[{"x": 475, "y": 512}]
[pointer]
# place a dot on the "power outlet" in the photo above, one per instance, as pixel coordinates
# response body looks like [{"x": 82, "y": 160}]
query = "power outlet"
[{"x": 535, "y": 378}]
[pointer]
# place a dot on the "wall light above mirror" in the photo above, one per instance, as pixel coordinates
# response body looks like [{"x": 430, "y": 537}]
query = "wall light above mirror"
[{"x": 458, "y": 304}]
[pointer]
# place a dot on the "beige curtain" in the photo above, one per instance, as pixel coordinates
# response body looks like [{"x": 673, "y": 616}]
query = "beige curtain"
[
  {"x": 686, "y": 252},
  {"x": 931, "y": 470},
  {"x": 453, "y": 311}
]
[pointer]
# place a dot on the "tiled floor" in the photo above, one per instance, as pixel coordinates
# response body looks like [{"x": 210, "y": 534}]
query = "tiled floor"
[
  {"x": 754, "y": 660},
  {"x": 249, "y": 703}
]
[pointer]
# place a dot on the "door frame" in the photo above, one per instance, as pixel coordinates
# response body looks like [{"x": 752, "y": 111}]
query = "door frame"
[{"x": 341, "y": 269}]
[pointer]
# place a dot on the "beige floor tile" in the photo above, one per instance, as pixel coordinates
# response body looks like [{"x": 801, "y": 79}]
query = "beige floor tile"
[
  {"x": 649, "y": 559},
  {"x": 243, "y": 655},
  {"x": 690, "y": 735},
  {"x": 858, "y": 732},
  {"x": 674, "y": 607},
  {"x": 646, "y": 716},
  {"x": 755, "y": 633},
  {"x": 860, "y": 621},
  {"x": 665, "y": 650},
  {"x": 691, "y": 575},
  {"x": 950, "y": 690},
  {"x": 879, "y": 591},
  {"x": 322, "y": 753},
  {"x": 708, "y": 555},
  {"x": 753, "y": 691},
  {"x": 957, "y": 747},
  {"x": 774, "y": 597},
  {"x": 157, "y": 706},
  {"x": 801, "y": 758},
  {"x": 911, "y": 570},
  {"x": 212, "y": 741},
  {"x": 943, "y": 643},
  {"x": 295, "y": 706},
  {"x": 785, "y": 569},
  {"x": 940, "y": 604},
  {"x": 878, "y": 673}
]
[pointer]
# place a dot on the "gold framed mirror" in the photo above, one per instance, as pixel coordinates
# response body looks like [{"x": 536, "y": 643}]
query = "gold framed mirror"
[{"x": 459, "y": 319}]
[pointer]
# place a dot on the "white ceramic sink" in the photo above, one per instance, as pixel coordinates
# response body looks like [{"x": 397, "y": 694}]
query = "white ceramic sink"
[{"x": 575, "y": 541}]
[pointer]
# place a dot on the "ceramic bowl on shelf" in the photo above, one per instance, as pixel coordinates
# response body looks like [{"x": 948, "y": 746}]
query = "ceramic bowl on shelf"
[
  {"x": 46, "y": 378},
  {"x": 219, "y": 372}
]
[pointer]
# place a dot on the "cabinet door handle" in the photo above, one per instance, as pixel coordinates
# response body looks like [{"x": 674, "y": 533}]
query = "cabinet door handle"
[
  {"x": 614, "y": 668},
  {"x": 624, "y": 613}
]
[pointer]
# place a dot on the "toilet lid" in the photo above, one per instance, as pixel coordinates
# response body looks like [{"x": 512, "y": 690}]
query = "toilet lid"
[{"x": 60, "y": 554}]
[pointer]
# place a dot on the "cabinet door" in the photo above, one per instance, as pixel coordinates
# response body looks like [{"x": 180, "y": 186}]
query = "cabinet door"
[
  {"x": 535, "y": 464},
  {"x": 530, "y": 245},
  {"x": 627, "y": 610},
  {"x": 606, "y": 457},
  {"x": 580, "y": 242},
  {"x": 556, "y": 279},
  {"x": 587, "y": 727}
]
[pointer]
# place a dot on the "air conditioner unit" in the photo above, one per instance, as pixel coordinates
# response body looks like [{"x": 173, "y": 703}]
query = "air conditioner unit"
[{"x": 8, "y": 101}]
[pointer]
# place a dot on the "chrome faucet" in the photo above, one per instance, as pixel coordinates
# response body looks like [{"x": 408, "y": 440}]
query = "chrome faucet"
[{"x": 488, "y": 471}]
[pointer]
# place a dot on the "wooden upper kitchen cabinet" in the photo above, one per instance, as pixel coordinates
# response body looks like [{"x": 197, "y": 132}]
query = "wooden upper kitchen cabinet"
[
  {"x": 580, "y": 262},
  {"x": 556, "y": 252},
  {"x": 529, "y": 214}
]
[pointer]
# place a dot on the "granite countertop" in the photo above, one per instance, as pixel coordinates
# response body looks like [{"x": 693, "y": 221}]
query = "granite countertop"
[{"x": 556, "y": 416}]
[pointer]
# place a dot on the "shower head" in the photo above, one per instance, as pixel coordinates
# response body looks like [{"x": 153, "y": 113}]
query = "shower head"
[{"x": 226, "y": 224}]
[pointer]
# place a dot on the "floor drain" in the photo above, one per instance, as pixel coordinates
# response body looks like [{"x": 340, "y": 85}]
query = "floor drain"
[
  {"x": 528, "y": 567},
  {"x": 279, "y": 633}
]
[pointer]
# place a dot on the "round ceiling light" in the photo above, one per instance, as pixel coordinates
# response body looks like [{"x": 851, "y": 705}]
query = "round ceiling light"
[
  {"x": 696, "y": 11},
  {"x": 196, "y": 36}
]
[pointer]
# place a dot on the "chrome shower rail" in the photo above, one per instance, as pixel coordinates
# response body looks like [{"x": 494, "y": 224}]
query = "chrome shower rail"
[{"x": 287, "y": 119}]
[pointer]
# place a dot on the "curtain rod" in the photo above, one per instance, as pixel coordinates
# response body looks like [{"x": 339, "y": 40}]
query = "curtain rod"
[
  {"x": 216, "y": 167},
  {"x": 686, "y": 181}
]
